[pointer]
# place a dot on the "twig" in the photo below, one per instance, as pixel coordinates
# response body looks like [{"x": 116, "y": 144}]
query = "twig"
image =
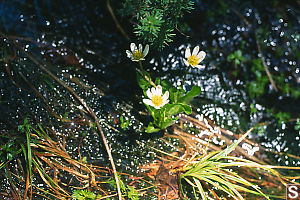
[
  {"x": 240, "y": 15},
  {"x": 182, "y": 32},
  {"x": 116, "y": 20},
  {"x": 264, "y": 63}
]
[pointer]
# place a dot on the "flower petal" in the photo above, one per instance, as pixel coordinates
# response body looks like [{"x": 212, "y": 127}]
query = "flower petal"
[
  {"x": 146, "y": 50},
  {"x": 196, "y": 50},
  {"x": 165, "y": 102},
  {"x": 133, "y": 47},
  {"x": 200, "y": 66},
  {"x": 129, "y": 54},
  {"x": 140, "y": 48},
  {"x": 148, "y": 102},
  {"x": 157, "y": 107},
  {"x": 201, "y": 55},
  {"x": 158, "y": 90},
  {"x": 187, "y": 52},
  {"x": 153, "y": 91},
  {"x": 186, "y": 62},
  {"x": 165, "y": 96},
  {"x": 149, "y": 94}
]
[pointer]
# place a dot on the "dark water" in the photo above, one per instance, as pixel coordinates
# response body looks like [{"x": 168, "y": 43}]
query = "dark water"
[{"x": 80, "y": 39}]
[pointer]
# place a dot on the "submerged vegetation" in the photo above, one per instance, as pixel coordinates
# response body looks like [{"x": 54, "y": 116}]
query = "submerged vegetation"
[{"x": 81, "y": 121}]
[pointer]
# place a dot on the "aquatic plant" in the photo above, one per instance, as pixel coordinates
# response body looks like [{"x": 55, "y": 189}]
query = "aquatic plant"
[{"x": 164, "y": 108}]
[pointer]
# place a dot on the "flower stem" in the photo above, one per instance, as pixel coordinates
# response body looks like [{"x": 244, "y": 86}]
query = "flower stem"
[
  {"x": 142, "y": 72},
  {"x": 141, "y": 66},
  {"x": 185, "y": 76}
]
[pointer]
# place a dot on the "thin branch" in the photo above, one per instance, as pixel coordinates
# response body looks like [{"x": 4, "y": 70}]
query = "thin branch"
[
  {"x": 116, "y": 20},
  {"x": 187, "y": 36},
  {"x": 264, "y": 63}
]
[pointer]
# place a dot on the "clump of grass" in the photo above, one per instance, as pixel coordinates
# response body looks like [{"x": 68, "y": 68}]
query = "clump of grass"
[{"x": 214, "y": 169}]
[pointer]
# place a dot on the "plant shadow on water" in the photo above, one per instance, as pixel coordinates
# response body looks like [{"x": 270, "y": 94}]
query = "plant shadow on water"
[{"x": 81, "y": 43}]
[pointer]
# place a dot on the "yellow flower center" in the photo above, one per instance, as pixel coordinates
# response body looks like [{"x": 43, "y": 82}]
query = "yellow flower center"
[
  {"x": 193, "y": 60},
  {"x": 157, "y": 100},
  {"x": 137, "y": 55}
]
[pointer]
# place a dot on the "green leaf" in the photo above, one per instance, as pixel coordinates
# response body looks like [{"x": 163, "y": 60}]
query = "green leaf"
[
  {"x": 174, "y": 94},
  {"x": 187, "y": 109},
  {"x": 174, "y": 109},
  {"x": 237, "y": 61},
  {"x": 188, "y": 97},
  {"x": 154, "y": 112},
  {"x": 83, "y": 195},
  {"x": 168, "y": 122},
  {"x": 238, "y": 53},
  {"x": 200, "y": 188},
  {"x": 124, "y": 124},
  {"x": 151, "y": 128},
  {"x": 132, "y": 193},
  {"x": 230, "y": 57}
]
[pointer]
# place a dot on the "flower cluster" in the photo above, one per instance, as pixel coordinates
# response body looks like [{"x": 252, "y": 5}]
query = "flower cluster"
[
  {"x": 163, "y": 110},
  {"x": 156, "y": 99}
]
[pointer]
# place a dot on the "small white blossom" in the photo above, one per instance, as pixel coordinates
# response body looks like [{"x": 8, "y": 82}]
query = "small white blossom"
[
  {"x": 156, "y": 99},
  {"x": 137, "y": 54},
  {"x": 195, "y": 58}
]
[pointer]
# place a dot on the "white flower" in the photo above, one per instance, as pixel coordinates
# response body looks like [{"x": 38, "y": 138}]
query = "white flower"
[
  {"x": 156, "y": 99},
  {"x": 195, "y": 58},
  {"x": 137, "y": 54}
]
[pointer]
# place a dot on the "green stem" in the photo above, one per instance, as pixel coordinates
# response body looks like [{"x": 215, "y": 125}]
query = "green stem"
[
  {"x": 185, "y": 76},
  {"x": 142, "y": 72},
  {"x": 141, "y": 66}
]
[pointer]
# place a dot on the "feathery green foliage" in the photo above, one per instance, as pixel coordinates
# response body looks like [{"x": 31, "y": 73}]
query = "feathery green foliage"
[
  {"x": 155, "y": 21},
  {"x": 83, "y": 195}
]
